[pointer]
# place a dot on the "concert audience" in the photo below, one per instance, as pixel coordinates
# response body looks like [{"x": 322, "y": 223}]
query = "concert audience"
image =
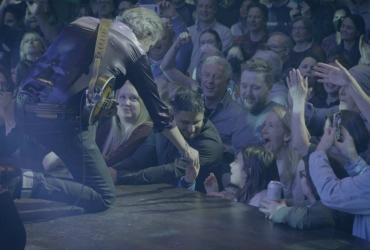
[{"x": 197, "y": 72}]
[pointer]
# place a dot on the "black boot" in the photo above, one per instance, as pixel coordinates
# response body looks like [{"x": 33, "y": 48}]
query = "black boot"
[{"x": 11, "y": 180}]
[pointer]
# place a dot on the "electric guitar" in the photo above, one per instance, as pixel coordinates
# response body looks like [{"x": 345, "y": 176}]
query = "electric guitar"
[{"x": 102, "y": 102}]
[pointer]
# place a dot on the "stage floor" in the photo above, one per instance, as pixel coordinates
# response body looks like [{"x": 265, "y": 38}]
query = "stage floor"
[{"x": 163, "y": 217}]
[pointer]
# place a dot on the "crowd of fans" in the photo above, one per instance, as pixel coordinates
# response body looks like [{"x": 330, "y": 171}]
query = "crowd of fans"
[{"x": 264, "y": 90}]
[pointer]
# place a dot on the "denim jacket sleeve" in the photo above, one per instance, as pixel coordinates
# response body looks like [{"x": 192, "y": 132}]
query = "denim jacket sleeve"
[{"x": 350, "y": 194}]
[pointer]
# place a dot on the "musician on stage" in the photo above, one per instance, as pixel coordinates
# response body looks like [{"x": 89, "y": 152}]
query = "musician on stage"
[{"x": 51, "y": 105}]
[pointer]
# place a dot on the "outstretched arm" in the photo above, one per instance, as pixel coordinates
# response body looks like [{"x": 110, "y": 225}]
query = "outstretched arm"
[
  {"x": 338, "y": 75},
  {"x": 298, "y": 89},
  {"x": 141, "y": 77},
  {"x": 168, "y": 63}
]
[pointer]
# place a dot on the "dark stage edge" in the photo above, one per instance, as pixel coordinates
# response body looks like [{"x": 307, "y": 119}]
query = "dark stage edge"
[{"x": 163, "y": 217}]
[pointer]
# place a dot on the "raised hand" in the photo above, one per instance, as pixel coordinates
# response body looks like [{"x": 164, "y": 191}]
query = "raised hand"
[
  {"x": 167, "y": 9},
  {"x": 298, "y": 86},
  {"x": 38, "y": 7},
  {"x": 182, "y": 39},
  {"x": 337, "y": 75}
]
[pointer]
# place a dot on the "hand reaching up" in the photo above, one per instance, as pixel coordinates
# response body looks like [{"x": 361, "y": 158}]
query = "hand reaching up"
[
  {"x": 182, "y": 39},
  {"x": 298, "y": 87},
  {"x": 167, "y": 9},
  {"x": 337, "y": 75}
]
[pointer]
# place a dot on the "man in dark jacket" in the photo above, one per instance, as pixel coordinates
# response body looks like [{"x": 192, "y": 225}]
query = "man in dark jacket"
[{"x": 158, "y": 161}]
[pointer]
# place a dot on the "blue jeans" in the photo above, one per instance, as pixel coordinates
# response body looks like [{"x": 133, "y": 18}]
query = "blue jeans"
[{"x": 92, "y": 187}]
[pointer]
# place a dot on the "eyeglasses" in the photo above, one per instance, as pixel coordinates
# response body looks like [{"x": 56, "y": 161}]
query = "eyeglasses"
[{"x": 276, "y": 48}]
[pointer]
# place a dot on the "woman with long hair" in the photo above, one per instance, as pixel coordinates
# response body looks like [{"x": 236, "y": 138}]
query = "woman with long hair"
[
  {"x": 277, "y": 135},
  {"x": 120, "y": 135},
  {"x": 252, "y": 170}
]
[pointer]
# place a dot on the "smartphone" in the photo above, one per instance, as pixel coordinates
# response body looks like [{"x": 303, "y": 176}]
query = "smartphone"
[{"x": 337, "y": 123}]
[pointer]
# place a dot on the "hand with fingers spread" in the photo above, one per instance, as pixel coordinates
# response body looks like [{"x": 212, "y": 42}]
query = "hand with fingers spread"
[
  {"x": 167, "y": 9},
  {"x": 38, "y": 7},
  {"x": 337, "y": 75},
  {"x": 298, "y": 87}
]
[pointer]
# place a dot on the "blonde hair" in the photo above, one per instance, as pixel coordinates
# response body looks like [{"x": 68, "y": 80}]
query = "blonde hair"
[
  {"x": 146, "y": 25},
  {"x": 259, "y": 65},
  {"x": 120, "y": 130},
  {"x": 22, "y": 53},
  {"x": 285, "y": 117}
]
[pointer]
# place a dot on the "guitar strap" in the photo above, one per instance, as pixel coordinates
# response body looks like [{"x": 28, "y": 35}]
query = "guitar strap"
[{"x": 100, "y": 47}]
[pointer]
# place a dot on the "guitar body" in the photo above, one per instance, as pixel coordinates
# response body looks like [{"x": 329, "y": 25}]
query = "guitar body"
[{"x": 103, "y": 102}]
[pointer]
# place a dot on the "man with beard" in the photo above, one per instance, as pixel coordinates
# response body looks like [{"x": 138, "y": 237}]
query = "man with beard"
[{"x": 255, "y": 85}]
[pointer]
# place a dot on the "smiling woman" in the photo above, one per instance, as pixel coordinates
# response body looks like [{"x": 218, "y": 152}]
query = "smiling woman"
[{"x": 120, "y": 135}]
